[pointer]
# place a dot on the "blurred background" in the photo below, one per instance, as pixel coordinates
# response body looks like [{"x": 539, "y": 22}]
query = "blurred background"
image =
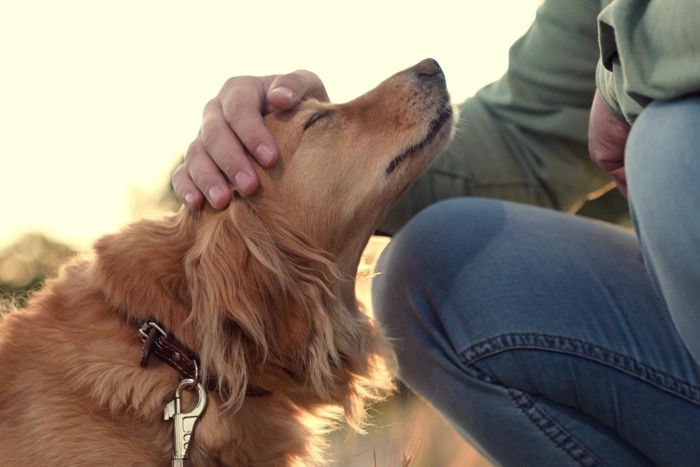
[{"x": 99, "y": 100}]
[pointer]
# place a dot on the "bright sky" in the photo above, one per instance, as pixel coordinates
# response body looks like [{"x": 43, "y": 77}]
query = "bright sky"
[{"x": 99, "y": 99}]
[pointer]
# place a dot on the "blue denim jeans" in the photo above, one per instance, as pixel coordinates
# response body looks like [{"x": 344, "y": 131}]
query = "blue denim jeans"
[{"x": 549, "y": 339}]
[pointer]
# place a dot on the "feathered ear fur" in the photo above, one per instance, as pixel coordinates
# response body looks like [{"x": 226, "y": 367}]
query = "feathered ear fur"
[
  {"x": 262, "y": 294},
  {"x": 139, "y": 270}
]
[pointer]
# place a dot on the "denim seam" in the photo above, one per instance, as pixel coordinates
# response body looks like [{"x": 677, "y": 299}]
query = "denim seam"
[
  {"x": 552, "y": 430},
  {"x": 578, "y": 347}
]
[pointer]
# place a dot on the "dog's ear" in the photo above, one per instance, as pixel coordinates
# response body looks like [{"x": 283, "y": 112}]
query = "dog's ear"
[
  {"x": 139, "y": 270},
  {"x": 261, "y": 294}
]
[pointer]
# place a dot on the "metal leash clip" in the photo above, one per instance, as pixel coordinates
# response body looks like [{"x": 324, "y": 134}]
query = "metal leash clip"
[{"x": 184, "y": 422}]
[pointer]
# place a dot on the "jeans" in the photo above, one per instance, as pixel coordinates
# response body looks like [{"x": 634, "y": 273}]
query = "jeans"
[{"x": 551, "y": 339}]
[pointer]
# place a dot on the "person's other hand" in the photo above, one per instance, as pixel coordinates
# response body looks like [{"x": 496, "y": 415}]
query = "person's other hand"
[
  {"x": 232, "y": 124},
  {"x": 607, "y": 136}
]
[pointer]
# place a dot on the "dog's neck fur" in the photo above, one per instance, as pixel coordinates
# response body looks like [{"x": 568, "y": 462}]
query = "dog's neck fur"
[{"x": 240, "y": 294}]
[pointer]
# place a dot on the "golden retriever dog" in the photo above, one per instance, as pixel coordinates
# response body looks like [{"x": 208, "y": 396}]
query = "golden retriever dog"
[{"x": 254, "y": 303}]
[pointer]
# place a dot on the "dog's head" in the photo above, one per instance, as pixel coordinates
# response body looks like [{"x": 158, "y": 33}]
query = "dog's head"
[
  {"x": 343, "y": 165},
  {"x": 272, "y": 277}
]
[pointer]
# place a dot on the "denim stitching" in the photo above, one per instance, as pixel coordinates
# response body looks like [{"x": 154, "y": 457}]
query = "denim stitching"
[
  {"x": 548, "y": 427},
  {"x": 558, "y": 435},
  {"x": 628, "y": 365}
]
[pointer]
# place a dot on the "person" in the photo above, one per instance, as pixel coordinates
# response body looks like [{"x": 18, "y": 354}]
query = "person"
[{"x": 544, "y": 337}]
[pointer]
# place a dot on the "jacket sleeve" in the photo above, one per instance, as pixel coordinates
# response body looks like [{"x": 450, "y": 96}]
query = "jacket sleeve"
[
  {"x": 650, "y": 50},
  {"x": 524, "y": 137}
]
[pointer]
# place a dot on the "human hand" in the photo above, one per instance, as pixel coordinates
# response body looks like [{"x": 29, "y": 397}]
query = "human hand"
[
  {"x": 232, "y": 124},
  {"x": 607, "y": 136}
]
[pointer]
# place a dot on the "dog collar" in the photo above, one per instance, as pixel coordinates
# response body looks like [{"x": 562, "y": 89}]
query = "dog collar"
[{"x": 156, "y": 341}]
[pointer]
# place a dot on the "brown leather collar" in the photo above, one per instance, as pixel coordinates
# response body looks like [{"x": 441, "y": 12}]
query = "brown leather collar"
[{"x": 156, "y": 341}]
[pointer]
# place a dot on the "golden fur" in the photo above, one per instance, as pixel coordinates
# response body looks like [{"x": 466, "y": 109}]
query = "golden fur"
[{"x": 262, "y": 291}]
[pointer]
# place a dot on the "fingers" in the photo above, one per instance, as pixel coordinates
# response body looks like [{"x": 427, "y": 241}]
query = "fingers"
[
  {"x": 185, "y": 189},
  {"x": 218, "y": 155},
  {"x": 232, "y": 129},
  {"x": 286, "y": 91},
  {"x": 240, "y": 107},
  {"x": 244, "y": 100},
  {"x": 220, "y": 143},
  {"x": 199, "y": 177}
]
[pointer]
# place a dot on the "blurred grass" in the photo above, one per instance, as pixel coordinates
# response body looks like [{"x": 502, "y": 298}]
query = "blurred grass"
[
  {"x": 404, "y": 432},
  {"x": 27, "y": 262}
]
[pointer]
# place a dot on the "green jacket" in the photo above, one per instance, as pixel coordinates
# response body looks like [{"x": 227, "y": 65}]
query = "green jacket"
[
  {"x": 649, "y": 50},
  {"x": 524, "y": 137}
]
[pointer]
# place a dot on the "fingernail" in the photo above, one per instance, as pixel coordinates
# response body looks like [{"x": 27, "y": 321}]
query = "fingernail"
[
  {"x": 283, "y": 92},
  {"x": 189, "y": 200},
  {"x": 243, "y": 181},
  {"x": 216, "y": 194},
  {"x": 264, "y": 154}
]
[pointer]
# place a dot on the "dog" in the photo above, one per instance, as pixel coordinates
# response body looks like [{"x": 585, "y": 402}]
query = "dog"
[{"x": 255, "y": 304}]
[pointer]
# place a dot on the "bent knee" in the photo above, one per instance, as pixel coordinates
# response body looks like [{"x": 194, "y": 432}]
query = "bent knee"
[{"x": 424, "y": 258}]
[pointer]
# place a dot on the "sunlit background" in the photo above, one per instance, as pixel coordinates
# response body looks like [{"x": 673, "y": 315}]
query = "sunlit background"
[{"x": 100, "y": 99}]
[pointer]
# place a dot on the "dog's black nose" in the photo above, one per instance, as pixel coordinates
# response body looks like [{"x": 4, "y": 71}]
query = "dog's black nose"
[{"x": 428, "y": 67}]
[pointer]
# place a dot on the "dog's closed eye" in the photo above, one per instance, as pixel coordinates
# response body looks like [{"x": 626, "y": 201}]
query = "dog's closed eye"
[{"x": 316, "y": 117}]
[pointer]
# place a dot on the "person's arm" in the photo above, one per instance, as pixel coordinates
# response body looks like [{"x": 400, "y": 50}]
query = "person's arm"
[
  {"x": 650, "y": 50},
  {"x": 524, "y": 137}
]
